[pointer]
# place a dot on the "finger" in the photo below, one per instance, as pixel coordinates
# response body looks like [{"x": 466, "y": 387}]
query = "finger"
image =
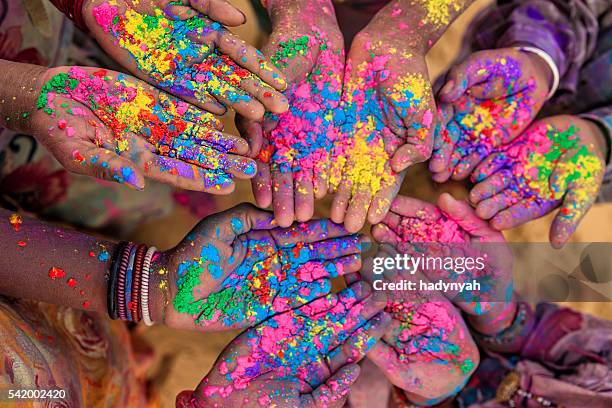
[
  {"x": 413, "y": 207},
  {"x": 461, "y": 77},
  {"x": 333, "y": 248},
  {"x": 246, "y": 56},
  {"x": 245, "y": 217},
  {"x": 357, "y": 211},
  {"x": 320, "y": 182},
  {"x": 520, "y": 213},
  {"x": 262, "y": 185},
  {"x": 419, "y": 143},
  {"x": 207, "y": 157},
  {"x": 576, "y": 203},
  {"x": 330, "y": 269},
  {"x": 225, "y": 142},
  {"x": 311, "y": 231},
  {"x": 304, "y": 196},
  {"x": 253, "y": 133},
  {"x": 91, "y": 160},
  {"x": 340, "y": 202},
  {"x": 334, "y": 392},
  {"x": 220, "y": 11},
  {"x": 490, "y": 165},
  {"x": 384, "y": 234},
  {"x": 382, "y": 355},
  {"x": 382, "y": 201},
  {"x": 360, "y": 342},
  {"x": 467, "y": 165},
  {"x": 490, "y": 186},
  {"x": 486, "y": 209},
  {"x": 271, "y": 99},
  {"x": 282, "y": 197},
  {"x": 464, "y": 215},
  {"x": 188, "y": 176}
]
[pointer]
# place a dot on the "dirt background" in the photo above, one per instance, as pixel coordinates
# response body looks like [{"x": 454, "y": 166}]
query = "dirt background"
[{"x": 182, "y": 358}]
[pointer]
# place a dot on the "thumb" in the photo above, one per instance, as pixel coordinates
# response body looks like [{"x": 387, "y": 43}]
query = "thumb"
[
  {"x": 334, "y": 392},
  {"x": 104, "y": 164},
  {"x": 465, "y": 216},
  {"x": 220, "y": 11}
]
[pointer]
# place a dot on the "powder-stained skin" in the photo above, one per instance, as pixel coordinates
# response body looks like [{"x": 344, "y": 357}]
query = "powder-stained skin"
[
  {"x": 168, "y": 139},
  {"x": 237, "y": 268},
  {"x": 488, "y": 100},
  {"x": 294, "y": 353},
  {"x": 193, "y": 57},
  {"x": 552, "y": 164}
]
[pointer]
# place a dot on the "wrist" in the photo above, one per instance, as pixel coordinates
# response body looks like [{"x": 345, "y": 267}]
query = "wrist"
[
  {"x": 19, "y": 94},
  {"x": 129, "y": 292},
  {"x": 158, "y": 287},
  {"x": 600, "y": 141},
  {"x": 499, "y": 318},
  {"x": 544, "y": 65}
]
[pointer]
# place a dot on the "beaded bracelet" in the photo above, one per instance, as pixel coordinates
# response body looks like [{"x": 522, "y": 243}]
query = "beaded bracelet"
[
  {"x": 512, "y": 336},
  {"x": 144, "y": 287}
]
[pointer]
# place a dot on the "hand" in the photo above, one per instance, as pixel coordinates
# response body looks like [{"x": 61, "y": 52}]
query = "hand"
[
  {"x": 452, "y": 229},
  {"x": 300, "y": 358},
  {"x": 388, "y": 108},
  {"x": 236, "y": 268},
  {"x": 427, "y": 351},
  {"x": 557, "y": 162},
  {"x": 488, "y": 100},
  {"x": 112, "y": 126},
  {"x": 293, "y": 149},
  {"x": 179, "y": 49}
]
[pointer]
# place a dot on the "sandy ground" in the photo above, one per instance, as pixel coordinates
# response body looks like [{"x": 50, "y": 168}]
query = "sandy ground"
[{"x": 182, "y": 358}]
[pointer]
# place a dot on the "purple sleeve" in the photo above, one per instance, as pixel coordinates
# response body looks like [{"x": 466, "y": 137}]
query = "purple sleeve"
[
  {"x": 603, "y": 117},
  {"x": 567, "y": 30}
]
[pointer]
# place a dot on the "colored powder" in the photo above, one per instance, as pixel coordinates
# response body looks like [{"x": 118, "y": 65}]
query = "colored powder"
[
  {"x": 484, "y": 124},
  {"x": 534, "y": 155},
  {"x": 15, "y": 221},
  {"x": 56, "y": 273},
  {"x": 439, "y": 11},
  {"x": 303, "y": 137},
  {"x": 290, "y": 344},
  {"x": 269, "y": 281},
  {"x": 441, "y": 230},
  {"x": 425, "y": 333},
  {"x": 165, "y": 50},
  {"x": 126, "y": 107}
]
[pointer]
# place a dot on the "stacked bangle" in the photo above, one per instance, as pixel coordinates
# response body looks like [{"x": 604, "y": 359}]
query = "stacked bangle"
[{"x": 128, "y": 286}]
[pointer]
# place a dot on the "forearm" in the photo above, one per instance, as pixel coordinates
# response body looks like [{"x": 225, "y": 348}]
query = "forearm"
[
  {"x": 52, "y": 264},
  {"x": 19, "y": 90}
]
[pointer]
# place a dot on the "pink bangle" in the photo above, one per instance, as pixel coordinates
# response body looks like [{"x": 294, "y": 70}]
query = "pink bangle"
[{"x": 144, "y": 286}]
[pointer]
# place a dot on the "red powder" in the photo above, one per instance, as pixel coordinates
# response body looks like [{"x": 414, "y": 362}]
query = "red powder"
[
  {"x": 72, "y": 282},
  {"x": 56, "y": 273}
]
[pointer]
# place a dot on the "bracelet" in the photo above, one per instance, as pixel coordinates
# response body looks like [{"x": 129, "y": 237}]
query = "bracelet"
[
  {"x": 134, "y": 305},
  {"x": 512, "y": 336},
  {"x": 128, "y": 283},
  {"x": 123, "y": 266},
  {"x": 111, "y": 300},
  {"x": 551, "y": 64},
  {"x": 144, "y": 287}
]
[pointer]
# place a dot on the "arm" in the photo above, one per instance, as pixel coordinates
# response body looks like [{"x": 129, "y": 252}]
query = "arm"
[
  {"x": 52, "y": 264},
  {"x": 565, "y": 30},
  {"x": 19, "y": 90}
]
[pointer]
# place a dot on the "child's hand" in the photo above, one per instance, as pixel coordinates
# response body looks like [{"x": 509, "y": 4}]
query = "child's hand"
[
  {"x": 175, "y": 47},
  {"x": 293, "y": 149},
  {"x": 558, "y": 161},
  {"x": 112, "y": 126},
  {"x": 453, "y": 229},
  {"x": 427, "y": 351},
  {"x": 300, "y": 358},
  {"x": 488, "y": 100},
  {"x": 389, "y": 114},
  {"x": 237, "y": 268}
]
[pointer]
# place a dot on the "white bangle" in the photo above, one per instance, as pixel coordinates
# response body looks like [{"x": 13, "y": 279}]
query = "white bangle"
[
  {"x": 144, "y": 286},
  {"x": 551, "y": 64}
]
